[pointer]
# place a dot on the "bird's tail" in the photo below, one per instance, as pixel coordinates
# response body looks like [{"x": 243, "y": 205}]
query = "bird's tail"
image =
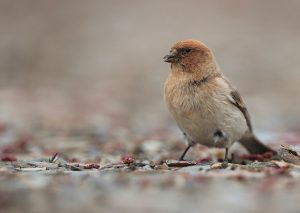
[{"x": 254, "y": 145}]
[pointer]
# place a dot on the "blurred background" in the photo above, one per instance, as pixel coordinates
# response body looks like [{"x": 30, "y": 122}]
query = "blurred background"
[
  {"x": 84, "y": 79},
  {"x": 78, "y": 63}
]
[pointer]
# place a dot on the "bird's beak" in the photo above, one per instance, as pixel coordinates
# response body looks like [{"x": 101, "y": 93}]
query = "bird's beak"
[{"x": 171, "y": 57}]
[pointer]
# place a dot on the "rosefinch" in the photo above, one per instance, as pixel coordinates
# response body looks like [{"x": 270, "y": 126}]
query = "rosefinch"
[{"x": 206, "y": 107}]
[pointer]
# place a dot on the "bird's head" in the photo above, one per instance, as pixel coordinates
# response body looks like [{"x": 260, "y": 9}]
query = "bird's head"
[{"x": 189, "y": 54}]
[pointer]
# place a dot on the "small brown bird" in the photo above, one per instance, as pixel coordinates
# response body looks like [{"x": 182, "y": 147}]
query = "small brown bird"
[{"x": 206, "y": 107}]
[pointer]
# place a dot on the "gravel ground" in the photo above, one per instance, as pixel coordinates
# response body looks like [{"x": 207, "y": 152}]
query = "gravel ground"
[{"x": 72, "y": 174}]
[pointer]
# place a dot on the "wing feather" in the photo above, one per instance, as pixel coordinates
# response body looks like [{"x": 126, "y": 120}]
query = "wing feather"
[{"x": 236, "y": 99}]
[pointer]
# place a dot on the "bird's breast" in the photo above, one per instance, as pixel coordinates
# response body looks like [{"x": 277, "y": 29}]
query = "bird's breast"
[
  {"x": 183, "y": 99},
  {"x": 200, "y": 113}
]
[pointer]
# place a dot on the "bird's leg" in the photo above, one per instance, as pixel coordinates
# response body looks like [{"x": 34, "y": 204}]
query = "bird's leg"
[
  {"x": 185, "y": 151},
  {"x": 187, "y": 148},
  {"x": 226, "y": 155},
  {"x": 219, "y": 136},
  {"x": 221, "y": 139}
]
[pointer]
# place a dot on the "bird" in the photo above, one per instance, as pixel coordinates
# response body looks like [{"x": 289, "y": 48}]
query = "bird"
[{"x": 207, "y": 108}]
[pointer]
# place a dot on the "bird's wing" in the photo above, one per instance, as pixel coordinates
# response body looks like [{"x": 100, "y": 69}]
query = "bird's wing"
[
  {"x": 236, "y": 99},
  {"x": 249, "y": 141},
  {"x": 233, "y": 96}
]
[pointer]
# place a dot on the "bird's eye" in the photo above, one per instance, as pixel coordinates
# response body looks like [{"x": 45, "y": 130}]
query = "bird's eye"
[{"x": 187, "y": 50}]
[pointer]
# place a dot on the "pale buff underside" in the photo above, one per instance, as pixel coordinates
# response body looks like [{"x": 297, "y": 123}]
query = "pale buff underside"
[{"x": 200, "y": 110}]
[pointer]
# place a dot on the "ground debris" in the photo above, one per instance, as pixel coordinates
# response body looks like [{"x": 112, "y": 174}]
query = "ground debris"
[
  {"x": 128, "y": 159},
  {"x": 47, "y": 165},
  {"x": 8, "y": 157},
  {"x": 219, "y": 165},
  {"x": 147, "y": 164},
  {"x": 257, "y": 166},
  {"x": 289, "y": 154},
  {"x": 257, "y": 157},
  {"x": 31, "y": 169},
  {"x": 176, "y": 163}
]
